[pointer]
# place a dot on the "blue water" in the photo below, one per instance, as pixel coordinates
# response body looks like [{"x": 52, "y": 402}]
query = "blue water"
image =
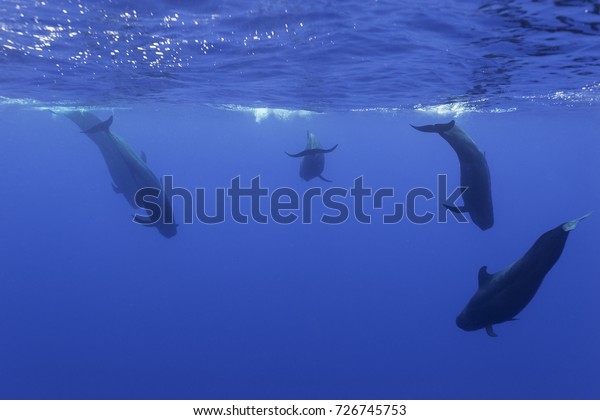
[{"x": 95, "y": 306}]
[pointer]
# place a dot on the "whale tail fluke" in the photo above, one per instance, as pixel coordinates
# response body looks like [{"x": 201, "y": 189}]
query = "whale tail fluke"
[
  {"x": 569, "y": 226},
  {"x": 434, "y": 128},
  {"x": 103, "y": 126}
]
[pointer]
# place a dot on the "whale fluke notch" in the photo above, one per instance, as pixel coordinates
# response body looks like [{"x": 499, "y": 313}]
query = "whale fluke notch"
[
  {"x": 311, "y": 152},
  {"x": 434, "y": 128},
  {"x": 103, "y": 126},
  {"x": 569, "y": 226}
]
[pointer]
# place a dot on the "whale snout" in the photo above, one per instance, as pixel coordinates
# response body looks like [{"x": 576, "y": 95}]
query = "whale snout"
[
  {"x": 168, "y": 230},
  {"x": 464, "y": 322}
]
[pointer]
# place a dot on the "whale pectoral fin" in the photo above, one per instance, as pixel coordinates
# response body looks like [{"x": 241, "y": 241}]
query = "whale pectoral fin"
[
  {"x": 490, "y": 331},
  {"x": 484, "y": 277},
  {"x": 116, "y": 189},
  {"x": 301, "y": 154},
  {"x": 103, "y": 126},
  {"x": 311, "y": 152},
  {"x": 434, "y": 128},
  {"x": 324, "y": 179},
  {"x": 456, "y": 209},
  {"x": 143, "y": 156},
  {"x": 320, "y": 151},
  {"x": 327, "y": 150}
]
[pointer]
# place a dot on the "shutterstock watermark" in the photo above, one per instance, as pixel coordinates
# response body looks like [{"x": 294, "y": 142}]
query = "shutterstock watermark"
[{"x": 284, "y": 205}]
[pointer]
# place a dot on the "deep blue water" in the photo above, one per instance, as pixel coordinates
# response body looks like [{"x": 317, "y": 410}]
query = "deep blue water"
[{"x": 95, "y": 306}]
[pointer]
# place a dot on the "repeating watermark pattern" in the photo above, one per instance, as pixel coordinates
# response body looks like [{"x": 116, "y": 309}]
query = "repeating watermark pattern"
[{"x": 284, "y": 205}]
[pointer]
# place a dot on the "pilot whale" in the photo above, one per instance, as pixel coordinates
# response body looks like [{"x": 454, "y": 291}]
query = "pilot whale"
[
  {"x": 474, "y": 173},
  {"x": 313, "y": 159},
  {"x": 128, "y": 170},
  {"x": 501, "y": 296}
]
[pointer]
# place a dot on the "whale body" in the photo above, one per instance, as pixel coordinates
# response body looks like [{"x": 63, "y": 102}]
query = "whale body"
[
  {"x": 128, "y": 170},
  {"x": 501, "y": 296},
  {"x": 313, "y": 159},
  {"x": 474, "y": 173}
]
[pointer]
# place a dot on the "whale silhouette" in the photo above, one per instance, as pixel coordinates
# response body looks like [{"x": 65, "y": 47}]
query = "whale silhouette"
[
  {"x": 501, "y": 296},
  {"x": 128, "y": 170},
  {"x": 474, "y": 173},
  {"x": 313, "y": 159}
]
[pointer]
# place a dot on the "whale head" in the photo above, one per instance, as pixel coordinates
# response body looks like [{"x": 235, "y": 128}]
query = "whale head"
[
  {"x": 168, "y": 230},
  {"x": 466, "y": 322}
]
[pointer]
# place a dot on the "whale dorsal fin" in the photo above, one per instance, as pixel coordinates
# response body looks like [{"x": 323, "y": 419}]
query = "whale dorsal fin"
[
  {"x": 484, "y": 277},
  {"x": 301, "y": 154}
]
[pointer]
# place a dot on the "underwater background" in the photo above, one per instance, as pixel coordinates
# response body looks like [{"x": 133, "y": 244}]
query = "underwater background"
[{"x": 94, "y": 306}]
